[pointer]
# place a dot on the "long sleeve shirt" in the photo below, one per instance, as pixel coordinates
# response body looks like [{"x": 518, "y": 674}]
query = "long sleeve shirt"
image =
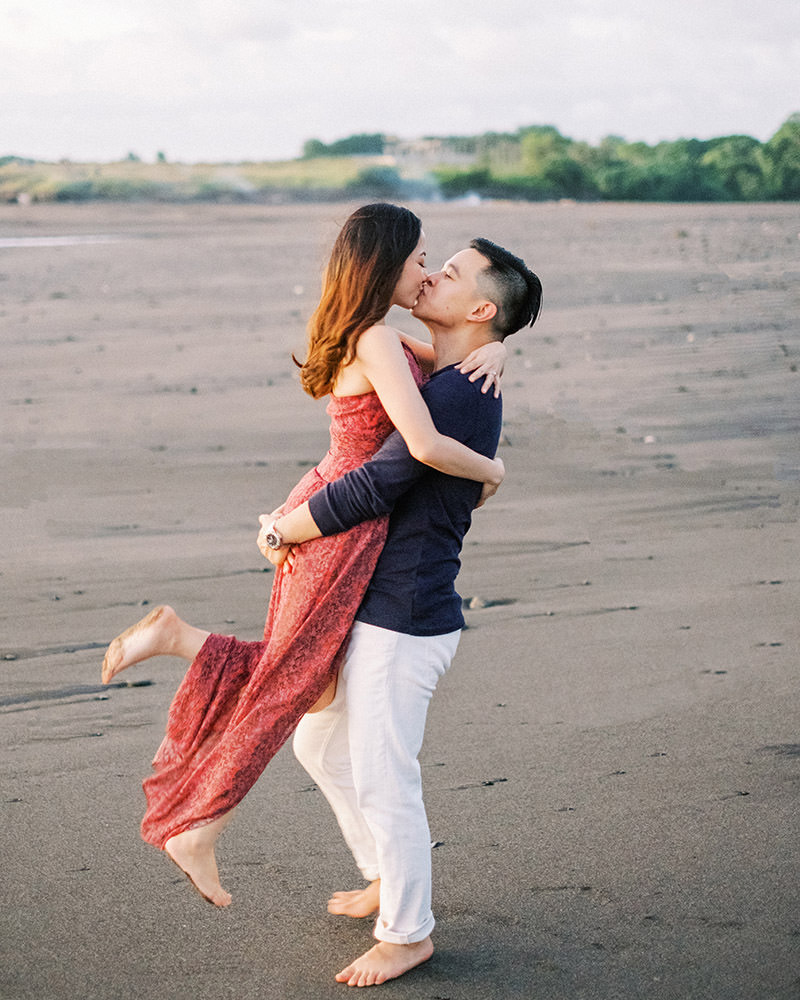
[{"x": 413, "y": 587}]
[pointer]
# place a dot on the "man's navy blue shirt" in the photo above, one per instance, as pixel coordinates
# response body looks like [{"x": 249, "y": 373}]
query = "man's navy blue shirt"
[{"x": 412, "y": 589}]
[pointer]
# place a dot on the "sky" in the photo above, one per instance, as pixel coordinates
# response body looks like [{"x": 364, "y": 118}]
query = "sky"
[{"x": 232, "y": 80}]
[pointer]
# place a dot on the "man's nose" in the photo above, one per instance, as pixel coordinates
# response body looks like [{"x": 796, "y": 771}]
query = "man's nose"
[{"x": 431, "y": 279}]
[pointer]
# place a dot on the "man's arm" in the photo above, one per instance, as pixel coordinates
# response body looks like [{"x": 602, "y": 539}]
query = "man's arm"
[
  {"x": 373, "y": 489},
  {"x": 367, "y": 492}
]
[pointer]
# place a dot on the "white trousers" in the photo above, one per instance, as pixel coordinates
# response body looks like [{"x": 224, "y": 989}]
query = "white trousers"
[{"x": 362, "y": 753}]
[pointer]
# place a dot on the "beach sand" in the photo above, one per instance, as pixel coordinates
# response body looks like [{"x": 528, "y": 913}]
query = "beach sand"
[{"x": 611, "y": 765}]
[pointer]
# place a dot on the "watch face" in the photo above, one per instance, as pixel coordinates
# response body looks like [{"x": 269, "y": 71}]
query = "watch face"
[{"x": 273, "y": 540}]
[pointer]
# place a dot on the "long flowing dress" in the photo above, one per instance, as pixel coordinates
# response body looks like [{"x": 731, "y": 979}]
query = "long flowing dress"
[{"x": 240, "y": 701}]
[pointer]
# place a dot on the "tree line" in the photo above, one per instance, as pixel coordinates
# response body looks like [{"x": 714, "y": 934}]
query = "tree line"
[{"x": 538, "y": 162}]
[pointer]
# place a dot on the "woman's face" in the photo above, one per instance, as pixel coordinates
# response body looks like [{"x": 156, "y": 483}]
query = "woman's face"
[{"x": 408, "y": 287}]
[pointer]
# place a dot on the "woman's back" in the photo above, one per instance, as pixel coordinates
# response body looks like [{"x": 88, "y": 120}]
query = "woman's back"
[{"x": 359, "y": 426}]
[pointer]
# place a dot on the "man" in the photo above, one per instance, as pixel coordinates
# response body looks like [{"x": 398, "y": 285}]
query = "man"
[{"x": 362, "y": 748}]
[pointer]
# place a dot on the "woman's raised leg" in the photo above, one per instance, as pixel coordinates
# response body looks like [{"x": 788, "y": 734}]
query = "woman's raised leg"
[
  {"x": 193, "y": 852},
  {"x": 160, "y": 633}
]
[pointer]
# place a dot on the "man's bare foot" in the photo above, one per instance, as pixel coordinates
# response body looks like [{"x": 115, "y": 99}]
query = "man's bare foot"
[
  {"x": 161, "y": 633},
  {"x": 359, "y": 903},
  {"x": 193, "y": 852},
  {"x": 385, "y": 961}
]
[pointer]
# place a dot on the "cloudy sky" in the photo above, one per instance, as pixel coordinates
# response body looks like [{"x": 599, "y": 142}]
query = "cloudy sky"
[{"x": 253, "y": 79}]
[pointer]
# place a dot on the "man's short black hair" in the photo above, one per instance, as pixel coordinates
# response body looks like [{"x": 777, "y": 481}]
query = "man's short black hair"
[{"x": 510, "y": 284}]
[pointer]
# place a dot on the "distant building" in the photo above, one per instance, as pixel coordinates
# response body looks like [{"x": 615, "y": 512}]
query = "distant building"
[{"x": 418, "y": 156}]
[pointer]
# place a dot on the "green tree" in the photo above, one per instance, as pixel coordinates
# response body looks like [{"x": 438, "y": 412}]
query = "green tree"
[
  {"x": 457, "y": 183},
  {"x": 566, "y": 178},
  {"x": 313, "y": 148},
  {"x": 381, "y": 182},
  {"x": 678, "y": 174},
  {"x": 735, "y": 163},
  {"x": 781, "y": 156},
  {"x": 539, "y": 145},
  {"x": 364, "y": 144}
]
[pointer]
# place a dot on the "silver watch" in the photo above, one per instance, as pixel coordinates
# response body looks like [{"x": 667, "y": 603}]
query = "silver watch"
[{"x": 273, "y": 537}]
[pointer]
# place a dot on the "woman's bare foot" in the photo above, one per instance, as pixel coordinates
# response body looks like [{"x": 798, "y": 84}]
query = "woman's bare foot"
[
  {"x": 160, "y": 633},
  {"x": 359, "y": 903},
  {"x": 385, "y": 961},
  {"x": 193, "y": 852}
]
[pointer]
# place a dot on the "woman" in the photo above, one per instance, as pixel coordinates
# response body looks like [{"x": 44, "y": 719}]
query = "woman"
[{"x": 240, "y": 701}]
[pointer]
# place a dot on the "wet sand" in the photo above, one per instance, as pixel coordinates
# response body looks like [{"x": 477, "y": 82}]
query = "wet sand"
[{"x": 611, "y": 765}]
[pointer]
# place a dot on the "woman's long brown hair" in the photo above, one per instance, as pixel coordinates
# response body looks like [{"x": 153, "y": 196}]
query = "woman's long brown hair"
[{"x": 357, "y": 287}]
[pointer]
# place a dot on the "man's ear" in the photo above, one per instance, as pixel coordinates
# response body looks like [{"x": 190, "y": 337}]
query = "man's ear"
[{"x": 483, "y": 312}]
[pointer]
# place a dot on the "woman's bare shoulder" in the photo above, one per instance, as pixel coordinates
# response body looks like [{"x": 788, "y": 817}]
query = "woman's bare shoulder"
[{"x": 376, "y": 338}]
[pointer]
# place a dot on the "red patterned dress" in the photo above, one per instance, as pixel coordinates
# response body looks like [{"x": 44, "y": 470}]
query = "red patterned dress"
[{"x": 240, "y": 701}]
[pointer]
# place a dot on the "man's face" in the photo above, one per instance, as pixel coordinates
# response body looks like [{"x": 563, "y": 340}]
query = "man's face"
[{"x": 449, "y": 296}]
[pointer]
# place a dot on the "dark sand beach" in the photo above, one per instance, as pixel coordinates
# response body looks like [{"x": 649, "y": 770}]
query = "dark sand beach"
[{"x": 611, "y": 765}]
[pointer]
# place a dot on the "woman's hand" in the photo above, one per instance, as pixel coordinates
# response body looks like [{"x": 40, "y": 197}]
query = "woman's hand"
[
  {"x": 283, "y": 557},
  {"x": 490, "y": 488},
  {"x": 488, "y": 360},
  {"x": 499, "y": 474}
]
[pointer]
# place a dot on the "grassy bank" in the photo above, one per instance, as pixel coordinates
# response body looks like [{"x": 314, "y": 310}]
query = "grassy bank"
[{"x": 132, "y": 180}]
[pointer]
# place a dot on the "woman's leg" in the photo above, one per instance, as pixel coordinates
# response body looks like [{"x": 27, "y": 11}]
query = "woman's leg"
[
  {"x": 161, "y": 633},
  {"x": 193, "y": 852},
  {"x": 325, "y": 698}
]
